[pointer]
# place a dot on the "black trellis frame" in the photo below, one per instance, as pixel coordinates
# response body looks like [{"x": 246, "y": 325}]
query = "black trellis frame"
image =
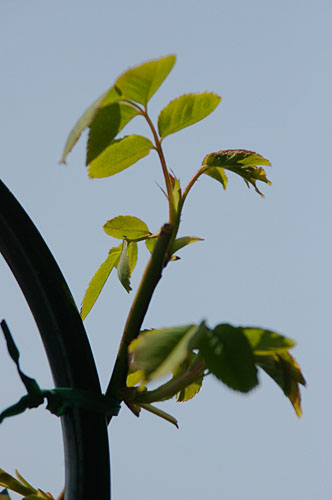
[{"x": 87, "y": 464}]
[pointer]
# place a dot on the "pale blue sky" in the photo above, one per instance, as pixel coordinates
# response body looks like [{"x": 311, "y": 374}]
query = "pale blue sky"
[{"x": 263, "y": 262}]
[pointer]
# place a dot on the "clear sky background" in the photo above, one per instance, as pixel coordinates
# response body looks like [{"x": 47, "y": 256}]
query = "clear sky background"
[{"x": 263, "y": 262}]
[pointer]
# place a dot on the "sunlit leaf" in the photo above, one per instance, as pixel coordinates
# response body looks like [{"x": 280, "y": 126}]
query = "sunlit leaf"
[
  {"x": 123, "y": 267},
  {"x": 265, "y": 342},
  {"x": 98, "y": 281},
  {"x": 286, "y": 372},
  {"x": 135, "y": 378},
  {"x": 150, "y": 243},
  {"x": 239, "y": 161},
  {"x": 182, "y": 242},
  {"x": 126, "y": 226},
  {"x": 140, "y": 83},
  {"x": 8, "y": 481},
  {"x": 86, "y": 119},
  {"x": 106, "y": 125},
  {"x": 121, "y": 154},
  {"x": 132, "y": 256},
  {"x": 176, "y": 191},
  {"x": 185, "y": 111},
  {"x": 159, "y": 352},
  {"x": 229, "y": 357}
]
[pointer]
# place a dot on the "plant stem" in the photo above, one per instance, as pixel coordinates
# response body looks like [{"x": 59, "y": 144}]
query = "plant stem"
[
  {"x": 168, "y": 182},
  {"x": 190, "y": 185},
  {"x": 138, "y": 309}
]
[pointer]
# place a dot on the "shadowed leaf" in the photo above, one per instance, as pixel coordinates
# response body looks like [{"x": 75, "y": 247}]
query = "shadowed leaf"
[
  {"x": 120, "y": 155},
  {"x": 285, "y": 371},
  {"x": 229, "y": 357},
  {"x": 98, "y": 281},
  {"x": 140, "y": 83},
  {"x": 8, "y": 481},
  {"x": 123, "y": 267},
  {"x": 86, "y": 119},
  {"x": 241, "y": 162},
  {"x": 126, "y": 226},
  {"x": 185, "y": 111},
  {"x": 107, "y": 123}
]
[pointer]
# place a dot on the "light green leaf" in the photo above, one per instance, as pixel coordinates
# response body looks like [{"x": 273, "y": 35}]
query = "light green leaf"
[
  {"x": 86, "y": 119},
  {"x": 8, "y": 481},
  {"x": 186, "y": 110},
  {"x": 107, "y": 123},
  {"x": 98, "y": 281},
  {"x": 150, "y": 243},
  {"x": 218, "y": 174},
  {"x": 159, "y": 352},
  {"x": 285, "y": 371},
  {"x": 127, "y": 226},
  {"x": 132, "y": 256},
  {"x": 123, "y": 267},
  {"x": 241, "y": 162},
  {"x": 140, "y": 83},
  {"x": 228, "y": 355},
  {"x": 265, "y": 342},
  {"x": 192, "y": 389},
  {"x": 182, "y": 242},
  {"x": 121, "y": 154},
  {"x": 135, "y": 378}
]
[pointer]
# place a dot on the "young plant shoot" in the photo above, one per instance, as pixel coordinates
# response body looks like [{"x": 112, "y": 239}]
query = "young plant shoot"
[{"x": 188, "y": 353}]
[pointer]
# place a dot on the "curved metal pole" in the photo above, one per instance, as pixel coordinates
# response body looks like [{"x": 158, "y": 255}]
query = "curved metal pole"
[{"x": 87, "y": 467}]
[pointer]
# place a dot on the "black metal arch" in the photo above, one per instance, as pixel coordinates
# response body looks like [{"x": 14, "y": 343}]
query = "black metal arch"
[{"x": 87, "y": 467}]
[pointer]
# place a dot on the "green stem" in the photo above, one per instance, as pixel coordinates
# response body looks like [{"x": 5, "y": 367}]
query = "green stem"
[
  {"x": 138, "y": 309},
  {"x": 190, "y": 185},
  {"x": 168, "y": 182},
  {"x": 169, "y": 389}
]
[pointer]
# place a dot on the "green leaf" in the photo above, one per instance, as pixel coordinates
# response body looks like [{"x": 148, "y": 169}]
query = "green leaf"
[
  {"x": 159, "y": 352},
  {"x": 140, "y": 83},
  {"x": 150, "y": 243},
  {"x": 240, "y": 161},
  {"x": 86, "y": 120},
  {"x": 107, "y": 123},
  {"x": 8, "y": 481},
  {"x": 121, "y": 154},
  {"x": 128, "y": 227},
  {"x": 176, "y": 191},
  {"x": 218, "y": 174},
  {"x": 182, "y": 242},
  {"x": 185, "y": 111},
  {"x": 132, "y": 255},
  {"x": 160, "y": 413},
  {"x": 98, "y": 281},
  {"x": 192, "y": 389},
  {"x": 229, "y": 357},
  {"x": 285, "y": 371},
  {"x": 265, "y": 342},
  {"x": 123, "y": 267}
]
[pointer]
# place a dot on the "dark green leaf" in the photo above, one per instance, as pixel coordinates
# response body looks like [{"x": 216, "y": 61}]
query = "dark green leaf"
[
  {"x": 229, "y": 357},
  {"x": 108, "y": 122},
  {"x": 185, "y": 111},
  {"x": 239, "y": 161},
  {"x": 140, "y": 83},
  {"x": 98, "y": 281},
  {"x": 127, "y": 226},
  {"x": 159, "y": 352},
  {"x": 86, "y": 119},
  {"x": 123, "y": 267},
  {"x": 121, "y": 154},
  {"x": 265, "y": 342},
  {"x": 285, "y": 371}
]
